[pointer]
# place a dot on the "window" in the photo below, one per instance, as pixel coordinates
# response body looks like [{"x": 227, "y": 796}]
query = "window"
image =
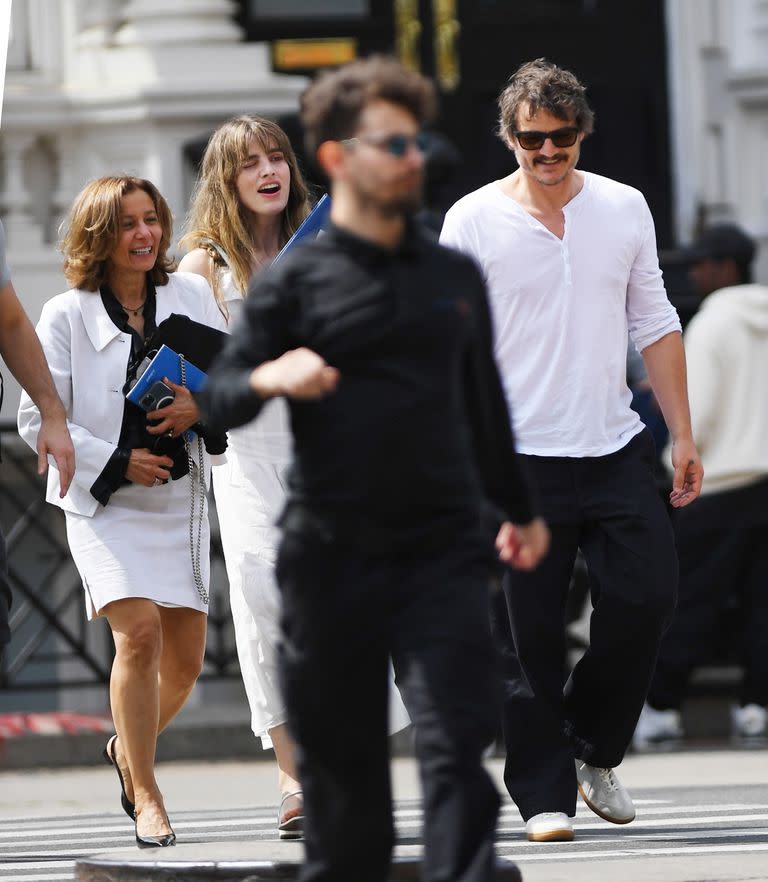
[{"x": 287, "y": 9}]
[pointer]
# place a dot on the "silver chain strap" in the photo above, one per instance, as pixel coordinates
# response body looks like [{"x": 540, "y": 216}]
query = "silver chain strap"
[{"x": 196, "y": 481}]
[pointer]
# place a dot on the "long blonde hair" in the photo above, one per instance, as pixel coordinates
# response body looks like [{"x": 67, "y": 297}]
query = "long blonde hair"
[
  {"x": 216, "y": 213},
  {"x": 92, "y": 231}
]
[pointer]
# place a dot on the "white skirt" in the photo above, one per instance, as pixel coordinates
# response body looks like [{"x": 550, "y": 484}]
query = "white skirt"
[
  {"x": 250, "y": 495},
  {"x": 138, "y": 546}
]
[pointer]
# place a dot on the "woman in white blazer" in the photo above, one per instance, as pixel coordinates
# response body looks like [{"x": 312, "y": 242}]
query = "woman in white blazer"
[{"x": 128, "y": 524}]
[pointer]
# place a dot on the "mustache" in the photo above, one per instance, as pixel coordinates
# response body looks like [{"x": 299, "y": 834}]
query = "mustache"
[{"x": 542, "y": 159}]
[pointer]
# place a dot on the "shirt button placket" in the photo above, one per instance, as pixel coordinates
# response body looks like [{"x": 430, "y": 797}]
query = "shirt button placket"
[{"x": 566, "y": 265}]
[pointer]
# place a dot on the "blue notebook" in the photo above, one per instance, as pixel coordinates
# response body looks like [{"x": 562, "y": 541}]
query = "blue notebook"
[
  {"x": 312, "y": 224},
  {"x": 166, "y": 364}
]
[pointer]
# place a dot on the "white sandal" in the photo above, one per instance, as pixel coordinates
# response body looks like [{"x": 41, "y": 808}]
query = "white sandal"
[{"x": 291, "y": 827}]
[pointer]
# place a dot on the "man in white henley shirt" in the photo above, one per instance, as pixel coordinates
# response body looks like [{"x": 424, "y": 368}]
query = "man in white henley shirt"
[{"x": 571, "y": 264}]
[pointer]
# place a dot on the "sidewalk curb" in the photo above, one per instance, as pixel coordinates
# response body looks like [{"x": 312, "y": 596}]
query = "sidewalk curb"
[{"x": 266, "y": 862}]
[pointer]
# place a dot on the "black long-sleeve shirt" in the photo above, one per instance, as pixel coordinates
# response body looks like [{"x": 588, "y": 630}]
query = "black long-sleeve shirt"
[{"x": 417, "y": 432}]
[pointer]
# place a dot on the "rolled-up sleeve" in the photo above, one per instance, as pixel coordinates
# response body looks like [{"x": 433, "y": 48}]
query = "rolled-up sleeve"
[{"x": 650, "y": 315}]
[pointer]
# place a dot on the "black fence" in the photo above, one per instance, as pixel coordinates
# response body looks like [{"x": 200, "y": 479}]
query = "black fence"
[{"x": 53, "y": 646}]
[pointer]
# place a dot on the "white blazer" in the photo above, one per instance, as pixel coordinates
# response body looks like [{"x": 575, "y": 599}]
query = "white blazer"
[{"x": 88, "y": 358}]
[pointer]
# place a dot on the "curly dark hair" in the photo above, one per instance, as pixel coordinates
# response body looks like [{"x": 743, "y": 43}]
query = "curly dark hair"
[
  {"x": 332, "y": 104},
  {"x": 542, "y": 85}
]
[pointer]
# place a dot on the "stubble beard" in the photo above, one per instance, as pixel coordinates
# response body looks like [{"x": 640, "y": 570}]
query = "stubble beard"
[{"x": 398, "y": 206}]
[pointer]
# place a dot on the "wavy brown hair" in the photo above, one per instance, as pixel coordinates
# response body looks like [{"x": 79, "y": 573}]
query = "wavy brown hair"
[
  {"x": 92, "y": 231},
  {"x": 216, "y": 212},
  {"x": 542, "y": 85}
]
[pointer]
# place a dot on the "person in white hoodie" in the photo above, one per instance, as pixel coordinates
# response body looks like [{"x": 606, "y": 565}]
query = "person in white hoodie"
[{"x": 721, "y": 541}]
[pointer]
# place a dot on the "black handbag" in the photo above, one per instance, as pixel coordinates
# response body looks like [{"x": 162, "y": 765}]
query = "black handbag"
[{"x": 199, "y": 344}]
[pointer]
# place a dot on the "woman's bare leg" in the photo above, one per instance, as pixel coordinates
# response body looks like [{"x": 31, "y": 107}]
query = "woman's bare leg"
[
  {"x": 184, "y": 632},
  {"x": 135, "y": 699},
  {"x": 182, "y": 648},
  {"x": 287, "y": 774}
]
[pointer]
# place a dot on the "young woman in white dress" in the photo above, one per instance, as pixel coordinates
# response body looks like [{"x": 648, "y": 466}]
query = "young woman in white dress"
[
  {"x": 250, "y": 198},
  {"x": 128, "y": 525}
]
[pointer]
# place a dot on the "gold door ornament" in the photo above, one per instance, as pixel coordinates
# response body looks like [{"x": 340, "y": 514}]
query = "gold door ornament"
[
  {"x": 447, "y": 31},
  {"x": 408, "y": 33}
]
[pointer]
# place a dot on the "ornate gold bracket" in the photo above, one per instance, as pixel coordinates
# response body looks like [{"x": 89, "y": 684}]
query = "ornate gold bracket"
[
  {"x": 447, "y": 32},
  {"x": 408, "y": 33}
]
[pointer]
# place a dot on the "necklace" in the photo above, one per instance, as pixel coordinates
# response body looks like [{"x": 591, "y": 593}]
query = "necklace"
[{"x": 134, "y": 310}]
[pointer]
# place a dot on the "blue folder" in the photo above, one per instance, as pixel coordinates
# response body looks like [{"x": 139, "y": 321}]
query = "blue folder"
[
  {"x": 312, "y": 224},
  {"x": 166, "y": 364}
]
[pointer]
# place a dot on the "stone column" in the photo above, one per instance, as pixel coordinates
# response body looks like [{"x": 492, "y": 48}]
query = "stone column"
[
  {"x": 22, "y": 231},
  {"x": 98, "y": 20},
  {"x": 67, "y": 185}
]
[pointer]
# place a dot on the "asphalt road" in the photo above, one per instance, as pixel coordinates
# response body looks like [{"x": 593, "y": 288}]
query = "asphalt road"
[{"x": 702, "y": 817}]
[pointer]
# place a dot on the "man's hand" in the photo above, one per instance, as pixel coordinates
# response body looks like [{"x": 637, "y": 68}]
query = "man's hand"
[
  {"x": 523, "y": 546},
  {"x": 53, "y": 439},
  {"x": 147, "y": 468},
  {"x": 299, "y": 373},
  {"x": 177, "y": 417},
  {"x": 689, "y": 473}
]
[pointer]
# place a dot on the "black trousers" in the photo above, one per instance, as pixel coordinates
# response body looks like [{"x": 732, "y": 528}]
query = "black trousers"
[
  {"x": 608, "y": 507},
  {"x": 722, "y": 543},
  {"x": 345, "y": 612}
]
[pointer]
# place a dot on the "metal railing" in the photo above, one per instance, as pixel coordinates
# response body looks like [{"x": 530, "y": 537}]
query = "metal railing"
[{"x": 53, "y": 646}]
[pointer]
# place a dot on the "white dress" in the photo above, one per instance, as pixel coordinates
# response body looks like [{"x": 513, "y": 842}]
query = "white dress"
[
  {"x": 138, "y": 544},
  {"x": 250, "y": 494},
  {"x": 249, "y": 497}
]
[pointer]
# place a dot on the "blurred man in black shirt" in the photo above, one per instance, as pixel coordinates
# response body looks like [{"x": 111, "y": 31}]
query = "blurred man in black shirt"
[{"x": 404, "y": 467}]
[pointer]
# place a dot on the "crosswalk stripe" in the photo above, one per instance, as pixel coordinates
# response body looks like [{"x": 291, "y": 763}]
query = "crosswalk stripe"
[
  {"x": 637, "y": 852},
  {"x": 662, "y": 829},
  {"x": 40, "y": 875},
  {"x": 42, "y": 828},
  {"x": 121, "y": 824}
]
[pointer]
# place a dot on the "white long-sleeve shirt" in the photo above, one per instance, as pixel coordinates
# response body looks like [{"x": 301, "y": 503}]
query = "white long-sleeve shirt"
[{"x": 562, "y": 310}]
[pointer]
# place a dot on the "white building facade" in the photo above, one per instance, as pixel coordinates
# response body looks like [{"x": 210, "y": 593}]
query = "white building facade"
[
  {"x": 98, "y": 87},
  {"x": 718, "y": 75},
  {"x": 103, "y": 86}
]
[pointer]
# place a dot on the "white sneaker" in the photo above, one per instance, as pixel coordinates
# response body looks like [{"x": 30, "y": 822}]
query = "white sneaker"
[
  {"x": 656, "y": 727},
  {"x": 549, "y": 827},
  {"x": 604, "y": 794},
  {"x": 750, "y": 721}
]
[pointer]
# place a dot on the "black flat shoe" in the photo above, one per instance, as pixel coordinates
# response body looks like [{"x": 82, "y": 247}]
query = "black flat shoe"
[
  {"x": 109, "y": 755},
  {"x": 156, "y": 841}
]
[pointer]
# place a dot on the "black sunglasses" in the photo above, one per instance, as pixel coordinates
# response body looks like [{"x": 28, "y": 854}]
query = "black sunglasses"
[
  {"x": 565, "y": 137},
  {"x": 395, "y": 145}
]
